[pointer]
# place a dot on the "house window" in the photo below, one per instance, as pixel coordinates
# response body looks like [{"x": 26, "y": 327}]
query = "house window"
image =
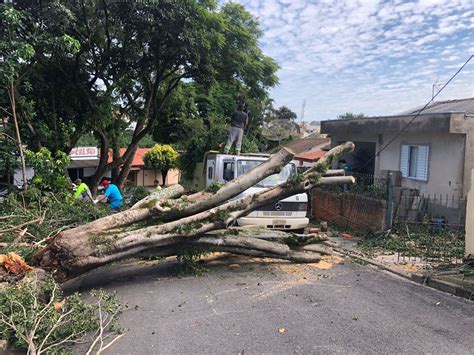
[{"x": 414, "y": 162}]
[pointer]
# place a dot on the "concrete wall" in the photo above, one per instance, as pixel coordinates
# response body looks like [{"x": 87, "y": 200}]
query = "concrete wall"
[
  {"x": 18, "y": 176},
  {"x": 356, "y": 212},
  {"x": 464, "y": 124},
  {"x": 445, "y": 165},
  {"x": 446, "y": 170},
  {"x": 147, "y": 177},
  {"x": 470, "y": 221}
]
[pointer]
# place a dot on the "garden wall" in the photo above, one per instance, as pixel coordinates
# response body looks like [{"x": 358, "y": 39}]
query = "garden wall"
[{"x": 349, "y": 210}]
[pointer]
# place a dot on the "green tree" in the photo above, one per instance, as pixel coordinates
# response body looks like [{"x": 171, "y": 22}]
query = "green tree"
[
  {"x": 163, "y": 158},
  {"x": 50, "y": 169},
  {"x": 23, "y": 42},
  {"x": 8, "y": 153},
  {"x": 209, "y": 139},
  {"x": 351, "y": 115},
  {"x": 131, "y": 59},
  {"x": 284, "y": 113},
  {"x": 17, "y": 53}
]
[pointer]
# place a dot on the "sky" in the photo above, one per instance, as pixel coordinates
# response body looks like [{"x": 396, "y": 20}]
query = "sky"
[{"x": 365, "y": 56}]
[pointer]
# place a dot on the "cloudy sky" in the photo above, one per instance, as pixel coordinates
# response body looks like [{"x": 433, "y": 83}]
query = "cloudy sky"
[{"x": 369, "y": 56}]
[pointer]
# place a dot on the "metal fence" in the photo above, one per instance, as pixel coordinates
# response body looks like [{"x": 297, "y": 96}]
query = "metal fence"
[
  {"x": 440, "y": 210},
  {"x": 429, "y": 228},
  {"x": 424, "y": 228},
  {"x": 366, "y": 185},
  {"x": 422, "y": 243}
]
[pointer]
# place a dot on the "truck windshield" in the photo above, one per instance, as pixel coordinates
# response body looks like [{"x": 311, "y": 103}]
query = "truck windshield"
[{"x": 245, "y": 165}]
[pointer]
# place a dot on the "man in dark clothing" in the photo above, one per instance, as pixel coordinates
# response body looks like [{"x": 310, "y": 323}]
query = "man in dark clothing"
[{"x": 238, "y": 122}]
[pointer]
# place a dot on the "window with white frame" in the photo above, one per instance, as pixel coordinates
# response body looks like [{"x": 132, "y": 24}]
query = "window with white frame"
[{"x": 414, "y": 161}]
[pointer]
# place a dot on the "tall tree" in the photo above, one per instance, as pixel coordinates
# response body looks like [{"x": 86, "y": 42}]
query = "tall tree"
[
  {"x": 284, "y": 113},
  {"x": 132, "y": 58},
  {"x": 17, "y": 53},
  {"x": 351, "y": 115}
]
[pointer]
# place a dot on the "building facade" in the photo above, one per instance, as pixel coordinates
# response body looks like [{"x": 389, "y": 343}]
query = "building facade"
[{"x": 433, "y": 153}]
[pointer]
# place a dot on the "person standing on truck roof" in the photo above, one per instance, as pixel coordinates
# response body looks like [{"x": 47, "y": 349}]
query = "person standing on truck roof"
[{"x": 239, "y": 121}]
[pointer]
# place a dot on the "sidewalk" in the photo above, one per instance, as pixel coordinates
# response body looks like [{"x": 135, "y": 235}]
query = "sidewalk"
[{"x": 452, "y": 281}]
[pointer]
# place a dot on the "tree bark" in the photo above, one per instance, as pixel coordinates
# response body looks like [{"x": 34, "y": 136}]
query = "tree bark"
[
  {"x": 125, "y": 170},
  {"x": 11, "y": 92},
  {"x": 115, "y": 156},
  {"x": 164, "y": 174},
  {"x": 102, "y": 168},
  {"x": 185, "y": 206},
  {"x": 118, "y": 237}
]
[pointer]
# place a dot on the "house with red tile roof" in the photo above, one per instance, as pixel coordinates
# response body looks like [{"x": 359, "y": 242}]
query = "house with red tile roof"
[{"x": 85, "y": 160}]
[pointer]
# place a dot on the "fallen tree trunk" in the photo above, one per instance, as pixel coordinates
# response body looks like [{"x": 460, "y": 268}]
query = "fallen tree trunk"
[
  {"x": 78, "y": 250},
  {"x": 237, "y": 244},
  {"x": 167, "y": 205}
]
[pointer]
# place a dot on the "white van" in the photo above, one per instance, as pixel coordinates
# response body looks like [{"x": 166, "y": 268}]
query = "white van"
[{"x": 287, "y": 214}]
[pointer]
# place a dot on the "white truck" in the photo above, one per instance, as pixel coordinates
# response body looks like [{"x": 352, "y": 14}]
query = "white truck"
[{"x": 287, "y": 214}]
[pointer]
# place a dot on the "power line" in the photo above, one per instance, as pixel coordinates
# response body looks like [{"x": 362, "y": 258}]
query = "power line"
[{"x": 418, "y": 113}]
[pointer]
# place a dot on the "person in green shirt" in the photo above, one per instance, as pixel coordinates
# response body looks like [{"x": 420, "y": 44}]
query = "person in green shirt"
[{"x": 82, "y": 190}]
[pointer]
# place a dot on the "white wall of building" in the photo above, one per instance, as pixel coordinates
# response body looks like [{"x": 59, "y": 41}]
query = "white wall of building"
[
  {"x": 446, "y": 159},
  {"x": 18, "y": 176},
  {"x": 445, "y": 162}
]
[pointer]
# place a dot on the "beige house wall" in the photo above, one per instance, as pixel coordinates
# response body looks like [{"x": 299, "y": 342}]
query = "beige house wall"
[
  {"x": 446, "y": 159},
  {"x": 445, "y": 164},
  {"x": 147, "y": 177},
  {"x": 470, "y": 220},
  {"x": 469, "y": 161}
]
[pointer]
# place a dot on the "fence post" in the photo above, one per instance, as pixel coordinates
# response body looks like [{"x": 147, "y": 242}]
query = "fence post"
[
  {"x": 389, "y": 215},
  {"x": 470, "y": 221}
]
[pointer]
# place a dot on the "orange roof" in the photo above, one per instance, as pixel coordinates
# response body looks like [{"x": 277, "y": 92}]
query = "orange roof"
[
  {"x": 310, "y": 156},
  {"x": 137, "y": 159}
]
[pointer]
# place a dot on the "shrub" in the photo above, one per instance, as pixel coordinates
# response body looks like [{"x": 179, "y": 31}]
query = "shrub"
[
  {"x": 161, "y": 157},
  {"x": 212, "y": 139},
  {"x": 50, "y": 169},
  {"x": 134, "y": 194}
]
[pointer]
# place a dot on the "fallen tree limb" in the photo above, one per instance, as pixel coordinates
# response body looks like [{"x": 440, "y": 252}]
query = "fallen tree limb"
[
  {"x": 80, "y": 249},
  {"x": 237, "y": 245},
  {"x": 187, "y": 205},
  {"x": 19, "y": 226},
  {"x": 171, "y": 192}
]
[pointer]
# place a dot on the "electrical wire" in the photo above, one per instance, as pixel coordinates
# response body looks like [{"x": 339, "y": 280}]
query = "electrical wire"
[{"x": 418, "y": 113}]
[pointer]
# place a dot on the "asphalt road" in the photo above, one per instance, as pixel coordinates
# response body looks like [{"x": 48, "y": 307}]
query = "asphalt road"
[{"x": 280, "y": 308}]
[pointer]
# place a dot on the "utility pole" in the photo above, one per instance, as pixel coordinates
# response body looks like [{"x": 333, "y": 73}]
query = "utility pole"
[{"x": 302, "y": 109}]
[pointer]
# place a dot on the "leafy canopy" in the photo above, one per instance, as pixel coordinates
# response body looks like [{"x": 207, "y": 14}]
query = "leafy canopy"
[
  {"x": 161, "y": 157},
  {"x": 351, "y": 115},
  {"x": 50, "y": 169}
]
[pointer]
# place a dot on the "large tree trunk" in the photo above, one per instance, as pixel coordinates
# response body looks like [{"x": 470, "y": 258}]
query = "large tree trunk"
[
  {"x": 164, "y": 174},
  {"x": 102, "y": 168},
  {"x": 125, "y": 170},
  {"x": 118, "y": 236}
]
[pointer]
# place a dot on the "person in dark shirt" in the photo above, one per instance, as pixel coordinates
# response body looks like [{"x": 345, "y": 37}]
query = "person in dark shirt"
[{"x": 239, "y": 121}]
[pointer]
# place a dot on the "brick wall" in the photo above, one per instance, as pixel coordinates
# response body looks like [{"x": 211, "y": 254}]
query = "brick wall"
[{"x": 353, "y": 211}]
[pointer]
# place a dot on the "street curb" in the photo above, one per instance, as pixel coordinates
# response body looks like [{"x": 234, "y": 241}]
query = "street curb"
[{"x": 424, "y": 280}]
